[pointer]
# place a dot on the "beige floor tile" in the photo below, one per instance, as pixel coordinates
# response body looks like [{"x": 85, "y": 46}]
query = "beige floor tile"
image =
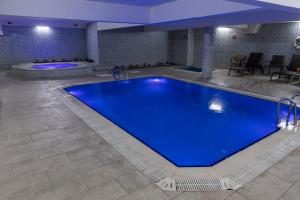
[
  {"x": 133, "y": 181},
  {"x": 149, "y": 193},
  {"x": 265, "y": 187},
  {"x": 106, "y": 191}
]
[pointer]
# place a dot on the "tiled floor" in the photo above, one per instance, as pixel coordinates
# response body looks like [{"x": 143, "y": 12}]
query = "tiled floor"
[{"x": 48, "y": 153}]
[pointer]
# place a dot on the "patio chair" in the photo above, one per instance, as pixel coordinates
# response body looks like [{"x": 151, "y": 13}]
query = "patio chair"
[
  {"x": 288, "y": 71},
  {"x": 251, "y": 65},
  {"x": 276, "y": 62},
  {"x": 238, "y": 61}
]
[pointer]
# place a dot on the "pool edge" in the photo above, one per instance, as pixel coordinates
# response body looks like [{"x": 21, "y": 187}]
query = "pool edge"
[{"x": 234, "y": 183}]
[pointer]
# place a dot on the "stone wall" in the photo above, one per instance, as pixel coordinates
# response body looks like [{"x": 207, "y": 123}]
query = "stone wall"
[
  {"x": 178, "y": 46},
  {"x": 25, "y": 44},
  {"x": 271, "y": 39},
  {"x": 125, "y": 48}
]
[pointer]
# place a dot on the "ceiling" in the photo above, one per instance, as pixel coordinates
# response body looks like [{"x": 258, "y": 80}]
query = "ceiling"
[
  {"x": 32, "y": 21},
  {"x": 146, "y": 3},
  {"x": 170, "y": 14},
  {"x": 289, "y": 3},
  {"x": 258, "y": 16}
]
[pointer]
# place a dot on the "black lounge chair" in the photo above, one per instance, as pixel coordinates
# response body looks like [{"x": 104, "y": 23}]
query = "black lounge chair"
[
  {"x": 288, "y": 71},
  {"x": 238, "y": 60},
  {"x": 276, "y": 62},
  {"x": 251, "y": 65}
]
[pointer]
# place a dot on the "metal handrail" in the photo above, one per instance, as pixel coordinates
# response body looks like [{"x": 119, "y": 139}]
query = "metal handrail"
[
  {"x": 292, "y": 105},
  {"x": 296, "y": 95}
]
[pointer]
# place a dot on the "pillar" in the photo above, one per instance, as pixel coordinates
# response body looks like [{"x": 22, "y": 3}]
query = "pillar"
[
  {"x": 190, "y": 48},
  {"x": 92, "y": 42},
  {"x": 208, "y": 52}
]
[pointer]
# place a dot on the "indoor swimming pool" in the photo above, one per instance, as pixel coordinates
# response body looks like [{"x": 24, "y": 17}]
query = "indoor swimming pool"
[{"x": 190, "y": 125}]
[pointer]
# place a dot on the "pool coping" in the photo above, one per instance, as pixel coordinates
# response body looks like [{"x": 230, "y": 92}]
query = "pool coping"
[{"x": 230, "y": 174}]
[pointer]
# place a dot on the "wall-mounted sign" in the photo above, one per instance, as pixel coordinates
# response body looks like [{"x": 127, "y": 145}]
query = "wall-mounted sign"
[{"x": 234, "y": 36}]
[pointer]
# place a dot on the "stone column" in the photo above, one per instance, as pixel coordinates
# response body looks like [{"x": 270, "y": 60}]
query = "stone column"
[
  {"x": 92, "y": 42},
  {"x": 1, "y": 29},
  {"x": 190, "y": 48},
  {"x": 208, "y": 52}
]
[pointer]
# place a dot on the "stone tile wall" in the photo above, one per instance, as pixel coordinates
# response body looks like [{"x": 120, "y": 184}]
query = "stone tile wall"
[
  {"x": 125, "y": 48},
  {"x": 271, "y": 39},
  {"x": 25, "y": 44}
]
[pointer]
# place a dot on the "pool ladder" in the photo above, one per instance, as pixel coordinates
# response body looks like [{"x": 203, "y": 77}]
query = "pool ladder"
[{"x": 292, "y": 108}]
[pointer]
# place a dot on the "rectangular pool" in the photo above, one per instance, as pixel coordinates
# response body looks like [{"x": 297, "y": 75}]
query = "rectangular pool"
[{"x": 189, "y": 124}]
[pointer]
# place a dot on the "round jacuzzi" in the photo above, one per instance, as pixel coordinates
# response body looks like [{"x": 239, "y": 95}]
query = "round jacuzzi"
[
  {"x": 53, "y": 70},
  {"x": 55, "y": 66}
]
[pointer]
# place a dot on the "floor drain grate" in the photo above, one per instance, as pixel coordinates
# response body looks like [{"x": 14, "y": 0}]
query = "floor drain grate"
[
  {"x": 194, "y": 185},
  {"x": 154, "y": 175}
]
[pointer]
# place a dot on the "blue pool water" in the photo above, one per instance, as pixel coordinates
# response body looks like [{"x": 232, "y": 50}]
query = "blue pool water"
[
  {"x": 188, "y": 124},
  {"x": 55, "y": 66}
]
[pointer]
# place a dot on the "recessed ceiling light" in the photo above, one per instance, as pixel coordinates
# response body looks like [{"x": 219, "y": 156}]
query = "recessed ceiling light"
[
  {"x": 223, "y": 28},
  {"x": 42, "y": 29}
]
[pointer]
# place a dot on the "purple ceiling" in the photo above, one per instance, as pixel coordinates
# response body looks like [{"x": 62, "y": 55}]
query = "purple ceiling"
[{"x": 137, "y": 2}]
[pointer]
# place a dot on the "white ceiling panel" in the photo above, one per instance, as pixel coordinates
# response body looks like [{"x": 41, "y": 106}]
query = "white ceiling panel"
[{"x": 147, "y": 3}]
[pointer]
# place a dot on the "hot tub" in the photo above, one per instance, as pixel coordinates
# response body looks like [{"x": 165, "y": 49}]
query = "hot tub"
[
  {"x": 53, "y": 70},
  {"x": 55, "y": 66}
]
